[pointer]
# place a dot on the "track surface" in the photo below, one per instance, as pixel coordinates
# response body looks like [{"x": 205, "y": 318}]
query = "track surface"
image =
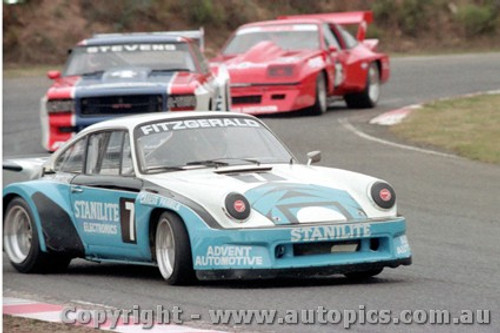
[{"x": 451, "y": 205}]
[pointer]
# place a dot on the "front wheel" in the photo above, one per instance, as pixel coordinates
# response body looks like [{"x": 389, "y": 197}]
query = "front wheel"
[
  {"x": 22, "y": 245},
  {"x": 321, "y": 105},
  {"x": 369, "y": 97},
  {"x": 173, "y": 250}
]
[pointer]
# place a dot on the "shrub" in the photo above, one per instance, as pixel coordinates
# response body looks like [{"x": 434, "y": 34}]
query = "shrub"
[{"x": 477, "y": 20}]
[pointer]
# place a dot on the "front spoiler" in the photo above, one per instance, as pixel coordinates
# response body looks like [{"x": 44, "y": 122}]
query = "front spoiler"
[{"x": 256, "y": 274}]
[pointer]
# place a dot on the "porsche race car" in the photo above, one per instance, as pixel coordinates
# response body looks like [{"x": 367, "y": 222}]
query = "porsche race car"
[
  {"x": 110, "y": 75},
  {"x": 304, "y": 62},
  {"x": 199, "y": 195}
]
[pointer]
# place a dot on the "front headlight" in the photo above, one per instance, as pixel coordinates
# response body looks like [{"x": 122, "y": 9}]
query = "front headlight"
[
  {"x": 237, "y": 206},
  {"x": 181, "y": 102},
  {"x": 60, "y": 105},
  {"x": 383, "y": 195},
  {"x": 280, "y": 70}
]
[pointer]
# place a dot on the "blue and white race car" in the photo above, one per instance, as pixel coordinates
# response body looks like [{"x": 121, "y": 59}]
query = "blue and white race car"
[{"x": 199, "y": 195}]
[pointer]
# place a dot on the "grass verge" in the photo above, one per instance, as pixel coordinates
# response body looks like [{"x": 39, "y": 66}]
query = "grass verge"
[
  {"x": 469, "y": 127},
  {"x": 18, "y": 71},
  {"x": 24, "y": 325}
]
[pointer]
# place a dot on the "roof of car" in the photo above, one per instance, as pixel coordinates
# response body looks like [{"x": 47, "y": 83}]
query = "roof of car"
[
  {"x": 283, "y": 22},
  {"x": 130, "y": 122},
  {"x": 106, "y": 39}
]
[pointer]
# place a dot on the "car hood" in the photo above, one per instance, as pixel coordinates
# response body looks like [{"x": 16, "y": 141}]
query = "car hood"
[
  {"x": 124, "y": 79},
  {"x": 252, "y": 66},
  {"x": 279, "y": 193}
]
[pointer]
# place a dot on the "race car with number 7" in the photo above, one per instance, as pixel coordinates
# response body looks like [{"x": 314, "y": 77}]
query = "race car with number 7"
[{"x": 200, "y": 195}]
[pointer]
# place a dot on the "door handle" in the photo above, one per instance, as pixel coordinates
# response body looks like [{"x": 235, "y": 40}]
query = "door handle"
[{"x": 76, "y": 189}]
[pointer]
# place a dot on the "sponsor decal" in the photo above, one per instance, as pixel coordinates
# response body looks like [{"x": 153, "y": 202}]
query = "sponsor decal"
[
  {"x": 98, "y": 211},
  {"x": 250, "y": 109},
  {"x": 385, "y": 194},
  {"x": 130, "y": 48},
  {"x": 229, "y": 255},
  {"x": 98, "y": 215},
  {"x": 239, "y": 206},
  {"x": 330, "y": 232},
  {"x": 196, "y": 124},
  {"x": 402, "y": 245},
  {"x": 158, "y": 201}
]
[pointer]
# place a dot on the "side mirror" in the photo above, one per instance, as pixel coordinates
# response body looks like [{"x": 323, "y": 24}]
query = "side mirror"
[
  {"x": 313, "y": 157},
  {"x": 53, "y": 75},
  {"x": 332, "y": 49}
]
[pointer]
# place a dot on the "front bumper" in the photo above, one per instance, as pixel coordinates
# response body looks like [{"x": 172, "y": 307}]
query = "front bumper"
[
  {"x": 255, "y": 274},
  {"x": 272, "y": 98},
  {"x": 304, "y": 249}
]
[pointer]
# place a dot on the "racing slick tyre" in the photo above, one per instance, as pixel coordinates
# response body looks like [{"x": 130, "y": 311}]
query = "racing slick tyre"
[
  {"x": 21, "y": 243},
  {"x": 368, "y": 98},
  {"x": 173, "y": 250},
  {"x": 363, "y": 275},
  {"x": 321, "y": 104}
]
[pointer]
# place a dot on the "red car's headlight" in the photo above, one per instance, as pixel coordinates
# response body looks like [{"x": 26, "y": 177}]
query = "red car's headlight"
[
  {"x": 280, "y": 70},
  {"x": 60, "y": 105},
  {"x": 181, "y": 102}
]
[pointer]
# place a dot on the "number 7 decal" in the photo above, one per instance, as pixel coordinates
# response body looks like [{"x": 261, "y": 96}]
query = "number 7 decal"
[{"x": 127, "y": 220}]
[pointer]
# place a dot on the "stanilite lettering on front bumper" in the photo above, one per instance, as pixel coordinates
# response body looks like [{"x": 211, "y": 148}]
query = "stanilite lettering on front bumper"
[{"x": 301, "y": 250}]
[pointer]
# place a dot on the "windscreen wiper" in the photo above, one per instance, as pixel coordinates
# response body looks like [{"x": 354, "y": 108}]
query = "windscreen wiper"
[
  {"x": 164, "y": 168},
  {"x": 93, "y": 73},
  {"x": 166, "y": 70},
  {"x": 213, "y": 163}
]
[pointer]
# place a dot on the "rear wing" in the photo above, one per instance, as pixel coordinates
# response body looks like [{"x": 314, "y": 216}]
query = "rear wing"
[
  {"x": 197, "y": 35},
  {"x": 346, "y": 18}
]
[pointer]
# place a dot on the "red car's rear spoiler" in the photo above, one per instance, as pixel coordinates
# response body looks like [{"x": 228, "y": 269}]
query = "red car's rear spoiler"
[{"x": 346, "y": 18}]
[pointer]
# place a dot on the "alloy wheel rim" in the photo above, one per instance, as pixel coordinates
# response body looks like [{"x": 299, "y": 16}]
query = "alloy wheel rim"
[
  {"x": 165, "y": 248},
  {"x": 18, "y": 234},
  {"x": 374, "y": 84}
]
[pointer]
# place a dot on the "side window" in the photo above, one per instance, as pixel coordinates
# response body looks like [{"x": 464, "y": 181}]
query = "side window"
[
  {"x": 112, "y": 155},
  {"x": 330, "y": 39},
  {"x": 349, "y": 40},
  {"x": 97, "y": 145},
  {"x": 200, "y": 58},
  {"x": 73, "y": 158},
  {"x": 127, "y": 168}
]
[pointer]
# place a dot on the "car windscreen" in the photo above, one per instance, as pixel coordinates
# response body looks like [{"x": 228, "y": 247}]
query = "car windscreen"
[
  {"x": 155, "y": 56},
  {"x": 180, "y": 144},
  {"x": 289, "y": 37}
]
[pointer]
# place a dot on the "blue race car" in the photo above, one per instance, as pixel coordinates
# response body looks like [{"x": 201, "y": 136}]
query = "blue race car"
[{"x": 199, "y": 195}]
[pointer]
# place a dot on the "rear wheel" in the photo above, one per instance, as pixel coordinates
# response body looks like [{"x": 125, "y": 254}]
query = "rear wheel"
[
  {"x": 321, "y": 105},
  {"x": 369, "y": 97},
  {"x": 22, "y": 245},
  {"x": 363, "y": 275},
  {"x": 173, "y": 250}
]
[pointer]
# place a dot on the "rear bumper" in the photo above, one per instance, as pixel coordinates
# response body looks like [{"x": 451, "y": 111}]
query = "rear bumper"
[{"x": 256, "y": 274}]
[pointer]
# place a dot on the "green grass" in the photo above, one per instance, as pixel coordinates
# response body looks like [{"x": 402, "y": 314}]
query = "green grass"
[
  {"x": 468, "y": 127},
  {"x": 17, "y": 71}
]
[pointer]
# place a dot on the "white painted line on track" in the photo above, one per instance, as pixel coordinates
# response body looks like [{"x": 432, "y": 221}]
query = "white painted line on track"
[{"x": 347, "y": 125}]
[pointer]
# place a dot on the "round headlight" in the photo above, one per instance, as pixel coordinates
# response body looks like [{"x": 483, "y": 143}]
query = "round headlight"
[
  {"x": 383, "y": 195},
  {"x": 237, "y": 206}
]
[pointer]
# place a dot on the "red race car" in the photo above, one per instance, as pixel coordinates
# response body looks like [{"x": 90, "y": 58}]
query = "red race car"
[{"x": 303, "y": 62}]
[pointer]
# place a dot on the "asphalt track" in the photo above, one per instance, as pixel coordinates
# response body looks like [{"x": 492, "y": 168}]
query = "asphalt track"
[{"x": 451, "y": 205}]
